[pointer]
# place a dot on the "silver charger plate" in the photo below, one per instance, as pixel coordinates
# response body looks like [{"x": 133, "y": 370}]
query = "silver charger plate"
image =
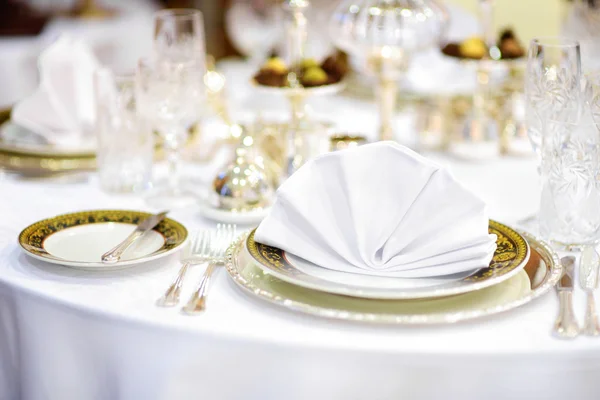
[
  {"x": 510, "y": 256},
  {"x": 541, "y": 272}
]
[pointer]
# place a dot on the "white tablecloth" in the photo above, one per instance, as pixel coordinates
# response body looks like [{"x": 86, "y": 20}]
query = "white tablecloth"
[{"x": 69, "y": 334}]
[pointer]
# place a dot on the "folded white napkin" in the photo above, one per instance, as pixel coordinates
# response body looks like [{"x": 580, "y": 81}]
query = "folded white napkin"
[
  {"x": 379, "y": 209},
  {"x": 61, "y": 110}
]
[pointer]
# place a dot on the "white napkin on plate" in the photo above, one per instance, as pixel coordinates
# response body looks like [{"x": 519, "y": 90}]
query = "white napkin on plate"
[
  {"x": 379, "y": 209},
  {"x": 61, "y": 110}
]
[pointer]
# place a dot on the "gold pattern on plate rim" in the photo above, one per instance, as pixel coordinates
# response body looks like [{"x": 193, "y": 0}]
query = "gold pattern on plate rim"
[
  {"x": 23, "y": 161},
  {"x": 550, "y": 277},
  {"x": 32, "y": 238},
  {"x": 511, "y": 254}
]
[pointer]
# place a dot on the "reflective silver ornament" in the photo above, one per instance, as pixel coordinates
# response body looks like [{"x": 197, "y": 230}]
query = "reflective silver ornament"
[{"x": 243, "y": 185}]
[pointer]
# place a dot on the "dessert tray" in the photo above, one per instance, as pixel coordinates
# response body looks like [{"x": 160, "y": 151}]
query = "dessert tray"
[
  {"x": 322, "y": 90},
  {"x": 313, "y": 78},
  {"x": 507, "y": 48}
]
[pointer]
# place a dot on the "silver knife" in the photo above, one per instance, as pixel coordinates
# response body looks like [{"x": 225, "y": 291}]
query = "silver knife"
[
  {"x": 588, "y": 280},
  {"x": 566, "y": 326},
  {"x": 114, "y": 255}
]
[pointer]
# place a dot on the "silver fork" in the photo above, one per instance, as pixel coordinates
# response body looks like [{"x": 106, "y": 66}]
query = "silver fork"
[
  {"x": 197, "y": 252},
  {"x": 222, "y": 238},
  {"x": 588, "y": 280}
]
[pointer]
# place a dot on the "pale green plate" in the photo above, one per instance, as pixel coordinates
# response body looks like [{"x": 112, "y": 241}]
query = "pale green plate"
[{"x": 537, "y": 277}]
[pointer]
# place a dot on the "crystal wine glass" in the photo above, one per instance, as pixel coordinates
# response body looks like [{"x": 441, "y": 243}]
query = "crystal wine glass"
[
  {"x": 386, "y": 33},
  {"x": 554, "y": 104},
  {"x": 179, "y": 35},
  {"x": 170, "y": 98},
  {"x": 583, "y": 24},
  {"x": 254, "y": 27},
  {"x": 552, "y": 85}
]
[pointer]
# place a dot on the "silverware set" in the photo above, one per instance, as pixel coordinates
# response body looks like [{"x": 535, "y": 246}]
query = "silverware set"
[
  {"x": 114, "y": 255},
  {"x": 566, "y": 325},
  {"x": 207, "y": 247}
]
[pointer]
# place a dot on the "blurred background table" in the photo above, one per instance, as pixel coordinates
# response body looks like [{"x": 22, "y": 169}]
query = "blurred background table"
[
  {"x": 120, "y": 40},
  {"x": 68, "y": 334}
]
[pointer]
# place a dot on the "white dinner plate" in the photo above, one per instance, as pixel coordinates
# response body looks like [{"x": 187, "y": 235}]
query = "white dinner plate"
[
  {"x": 511, "y": 255},
  {"x": 78, "y": 240}
]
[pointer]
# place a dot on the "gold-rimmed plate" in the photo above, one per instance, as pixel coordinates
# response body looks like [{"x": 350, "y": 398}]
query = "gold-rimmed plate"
[
  {"x": 511, "y": 255},
  {"x": 79, "y": 239},
  {"x": 28, "y": 158},
  {"x": 539, "y": 274},
  {"x": 33, "y": 165},
  {"x": 16, "y": 139}
]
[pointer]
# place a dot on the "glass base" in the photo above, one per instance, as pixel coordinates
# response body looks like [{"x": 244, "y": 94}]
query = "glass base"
[
  {"x": 172, "y": 198},
  {"x": 124, "y": 187},
  {"x": 572, "y": 247},
  {"x": 531, "y": 225}
]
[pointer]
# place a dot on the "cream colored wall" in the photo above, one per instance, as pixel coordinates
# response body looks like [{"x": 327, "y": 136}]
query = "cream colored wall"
[{"x": 529, "y": 18}]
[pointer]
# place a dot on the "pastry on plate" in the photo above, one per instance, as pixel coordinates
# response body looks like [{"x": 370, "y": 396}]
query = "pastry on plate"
[
  {"x": 474, "y": 48},
  {"x": 310, "y": 72}
]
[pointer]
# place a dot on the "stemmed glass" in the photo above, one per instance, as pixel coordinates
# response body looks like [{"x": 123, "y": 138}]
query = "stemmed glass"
[
  {"x": 386, "y": 33},
  {"x": 552, "y": 85},
  {"x": 170, "y": 97},
  {"x": 562, "y": 126},
  {"x": 545, "y": 92},
  {"x": 179, "y": 38},
  {"x": 254, "y": 27},
  {"x": 171, "y": 92},
  {"x": 179, "y": 35}
]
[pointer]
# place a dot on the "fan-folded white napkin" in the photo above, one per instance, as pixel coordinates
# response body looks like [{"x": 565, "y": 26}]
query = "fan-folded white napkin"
[
  {"x": 379, "y": 209},
  {"x": 61, "y": 110}
]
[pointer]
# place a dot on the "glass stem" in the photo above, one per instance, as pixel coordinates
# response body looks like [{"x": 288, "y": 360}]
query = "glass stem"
[
  {"x": 387, "y": 104},
  {"x": 486, "y": 8},
  {"x": 172, "y": 148},
  {"x": 294, "y": 157},
  {"x": 481, "y": 97},
  {"x": 297, "y": 108}
]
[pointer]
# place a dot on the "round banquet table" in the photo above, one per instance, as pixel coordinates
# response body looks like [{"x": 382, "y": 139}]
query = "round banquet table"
[{"x": 71, "y": 334}]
